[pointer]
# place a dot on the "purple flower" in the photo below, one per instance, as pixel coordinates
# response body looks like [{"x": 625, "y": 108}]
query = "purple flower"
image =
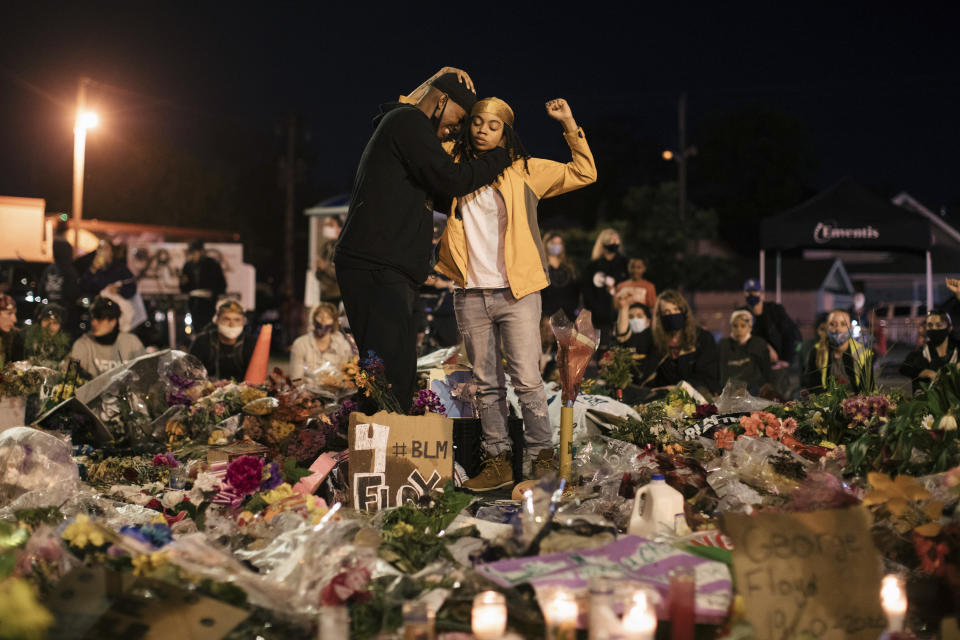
[
  {"x": 272, "y": 477},
  {"x": 165, "y": 460},
  {"x": 245, "y": 474},
  {"x": 425, "y": 401},
  {"x": 341, "y": 418},
  {"x": 155, "y": 535},
  {"x": 372, "y": 364}
]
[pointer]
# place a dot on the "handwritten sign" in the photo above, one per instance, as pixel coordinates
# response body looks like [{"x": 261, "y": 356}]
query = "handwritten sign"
[
  {"x": 815, "y": 574},
  {"x": 396, "y": 458}
]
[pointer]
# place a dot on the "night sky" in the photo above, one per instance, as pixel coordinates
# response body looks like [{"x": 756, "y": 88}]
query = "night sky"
[{"x": 874, "y": 90}]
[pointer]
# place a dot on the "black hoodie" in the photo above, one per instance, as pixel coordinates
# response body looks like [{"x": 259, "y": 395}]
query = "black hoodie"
[{"x": 390, "y": 220}]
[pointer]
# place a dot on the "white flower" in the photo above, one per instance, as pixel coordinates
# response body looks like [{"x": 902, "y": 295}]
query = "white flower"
[
  {"x": 171, "y": 499},
  {"x": 207, "y": 482},
  {"x": 947, "y": 423},
  {"x": 927, "y": 422}
]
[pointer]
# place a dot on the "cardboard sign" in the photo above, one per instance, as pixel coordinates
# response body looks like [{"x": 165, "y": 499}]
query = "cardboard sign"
[
  {"x": 396, "y": 458},
  {"x": 815, "y": 574}
]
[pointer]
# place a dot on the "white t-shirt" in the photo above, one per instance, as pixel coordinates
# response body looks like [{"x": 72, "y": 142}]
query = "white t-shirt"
[{"x": 484, "y": 216}]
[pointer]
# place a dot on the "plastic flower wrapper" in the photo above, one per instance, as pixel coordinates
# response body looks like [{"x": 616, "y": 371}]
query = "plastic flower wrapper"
[
  {"x": 757, "y": 471},
  {"x": 604, "y": 464},
  {"x": 537, "y": 509},
  {"x": 736, "y": 399},
  {"x": 577, "y": 342},
  {"x": 32, "y": 460},
  {"x": 184, "y": 376}
]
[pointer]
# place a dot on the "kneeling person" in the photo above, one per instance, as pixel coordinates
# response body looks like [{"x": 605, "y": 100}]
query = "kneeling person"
[
  {"x": 105, "y": 347},
  {"x": 224, "y": 347}
]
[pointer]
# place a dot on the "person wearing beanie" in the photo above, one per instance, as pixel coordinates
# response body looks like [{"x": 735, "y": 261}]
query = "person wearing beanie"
[
  {"x": 46, "y": 341},
  {"x": 11, "y": 338},
  {"x": 105, "y": 347},
  {"x": 493, "y": 251},
  {"x": 384, "y": 251},
  {"x": 225, "y": 347},
  {"x": 743, "y": 356}
]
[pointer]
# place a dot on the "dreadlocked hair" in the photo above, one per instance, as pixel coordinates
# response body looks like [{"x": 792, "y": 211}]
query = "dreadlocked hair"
[{"x": 463, "y": 145}]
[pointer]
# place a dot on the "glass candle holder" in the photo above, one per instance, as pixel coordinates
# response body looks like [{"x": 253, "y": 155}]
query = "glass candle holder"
[
  {"x": 418, "y": 621},
  {"x": 683, "y": 588},
  {"x": 488, "y": 619},
  {"x": 639, "y": 618},
  {"x": 560, "y": 614}
]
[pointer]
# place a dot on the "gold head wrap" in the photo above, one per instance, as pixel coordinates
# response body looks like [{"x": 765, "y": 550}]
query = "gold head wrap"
[{"x": 496, "y": 106}]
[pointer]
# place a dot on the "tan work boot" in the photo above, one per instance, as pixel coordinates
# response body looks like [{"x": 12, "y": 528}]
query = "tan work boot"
[
  {"x": 544, "y": 464},
  {"x": 495, "y": 472}
]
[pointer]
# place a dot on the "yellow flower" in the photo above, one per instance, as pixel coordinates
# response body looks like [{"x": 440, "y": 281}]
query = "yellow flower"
[
  {"x": 82, "y": 532},
  {"x": 673, "y": 449},
  {"x": 690, "y": 408},
  {"x": 217, "y": 436},
  {"x": 22, "y": 615},
  {"x": 895, "y": 494},
  {"x": 281, "y": 492},
  {"x": 933, "y": 510},
  {"x": 148, "y": 562}
]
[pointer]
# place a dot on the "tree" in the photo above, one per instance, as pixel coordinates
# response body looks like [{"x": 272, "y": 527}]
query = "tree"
[
  {"x": 668, "y": 246},
  {"x": 752, "y": 162}
]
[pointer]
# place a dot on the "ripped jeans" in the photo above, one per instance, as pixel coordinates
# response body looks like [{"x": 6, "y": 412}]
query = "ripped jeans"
[{"x": 489, "y": 319}]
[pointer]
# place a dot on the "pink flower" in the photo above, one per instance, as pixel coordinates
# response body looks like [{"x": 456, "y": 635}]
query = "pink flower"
[
  {"x": 347, "y": 587},
  {"x": 751, "y": 425},
  {"x": 789, "y": 426},
  {"x": 245, "y": 474}
]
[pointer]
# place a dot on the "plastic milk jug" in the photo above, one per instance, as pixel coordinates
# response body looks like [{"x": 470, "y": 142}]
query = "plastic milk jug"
[{"x": 655, "y": 508}]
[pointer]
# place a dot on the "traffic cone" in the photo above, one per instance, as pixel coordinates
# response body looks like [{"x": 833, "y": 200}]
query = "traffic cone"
[{"x": 260, "y": 360}]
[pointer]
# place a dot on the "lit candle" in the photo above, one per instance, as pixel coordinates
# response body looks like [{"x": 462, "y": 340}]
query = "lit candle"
[
  {"x": 560, "y": 613},
  {"x": 639, "y": 621},
  {"x": 489, "y": 615},
  {"x": 894, "y": 603}
]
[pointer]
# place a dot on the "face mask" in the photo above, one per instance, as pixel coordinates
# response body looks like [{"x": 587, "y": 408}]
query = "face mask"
[
  {"x": 673, "y": 321},
  {"x": 109, "y": 338},
  {"x": 322, "y": 330},
  {"x": 331, "y": 233},
  {"x": 554, "y": 249},
  {"x": 638, "y": 324},
  {"x": 753, "y": 299},
  {"x": 613, "y": 247},
  {"x": 838, "y": 338},
  {"x": 228, "y": 332},
  {"x": 936, "y": 336}
]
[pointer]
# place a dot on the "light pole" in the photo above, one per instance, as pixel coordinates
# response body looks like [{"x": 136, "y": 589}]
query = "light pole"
[
  {"x": 680, "y": 155},
  {"x": 85, "y": 120}
]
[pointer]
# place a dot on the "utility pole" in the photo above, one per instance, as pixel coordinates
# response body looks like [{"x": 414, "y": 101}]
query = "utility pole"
[
  {"x": 290, "y": 182},
  {"x": 79, "y": 151},
  {"x": 682, "y": 156}
]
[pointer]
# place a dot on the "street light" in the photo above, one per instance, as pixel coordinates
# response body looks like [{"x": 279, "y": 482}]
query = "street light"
[{"x": 85, "y": 120}]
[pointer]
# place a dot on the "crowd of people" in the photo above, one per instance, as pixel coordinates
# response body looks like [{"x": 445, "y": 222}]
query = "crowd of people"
[{"x": 392, "y": 282}]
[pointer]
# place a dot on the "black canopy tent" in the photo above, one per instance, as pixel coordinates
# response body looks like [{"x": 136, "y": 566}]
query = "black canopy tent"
[{"x": 846, "y": 217}]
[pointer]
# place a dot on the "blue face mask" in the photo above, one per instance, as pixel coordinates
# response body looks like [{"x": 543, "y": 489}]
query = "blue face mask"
[
  {"x": 673, "y": 321},
  {"x": 838, "y": 338},
  {"x": 753, "y": 299}
]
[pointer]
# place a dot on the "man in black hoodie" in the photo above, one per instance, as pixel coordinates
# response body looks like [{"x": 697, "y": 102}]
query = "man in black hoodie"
[{"x": 384, "y": 252}]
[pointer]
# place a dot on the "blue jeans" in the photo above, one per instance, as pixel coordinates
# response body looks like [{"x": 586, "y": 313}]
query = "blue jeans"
[{"x": 490, "y": 319}]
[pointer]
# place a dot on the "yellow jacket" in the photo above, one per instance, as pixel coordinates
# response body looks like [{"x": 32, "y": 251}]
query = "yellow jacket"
[{"x": 525, "y": 258}]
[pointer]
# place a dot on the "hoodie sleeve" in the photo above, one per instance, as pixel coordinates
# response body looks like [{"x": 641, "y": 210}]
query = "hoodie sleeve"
[
  {"x": 549, "y": 178},
  {"x": 431, "y": 166}
]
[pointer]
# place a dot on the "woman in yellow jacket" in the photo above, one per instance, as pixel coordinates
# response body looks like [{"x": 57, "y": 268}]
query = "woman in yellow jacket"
[{"x": 492, "y": 250}]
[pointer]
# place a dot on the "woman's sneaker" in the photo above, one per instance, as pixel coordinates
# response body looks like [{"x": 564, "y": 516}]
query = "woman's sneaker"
[{"x": 496, "y": 472}]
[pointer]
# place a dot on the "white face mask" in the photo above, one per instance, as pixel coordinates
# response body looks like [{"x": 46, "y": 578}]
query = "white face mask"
[
  {"x": 331, "y": 232},
  {"x": 228, "y": 332},
  {"x": 638, "y": 324}
]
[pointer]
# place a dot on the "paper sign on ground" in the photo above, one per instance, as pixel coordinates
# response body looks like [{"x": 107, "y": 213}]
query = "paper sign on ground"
[
  {"x": 808, "y": 573},
  {"x": 629, "y": 558},
  {"x": 396, "y": 458}
]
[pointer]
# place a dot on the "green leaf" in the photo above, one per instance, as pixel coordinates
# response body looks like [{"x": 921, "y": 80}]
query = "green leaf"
[{"x": 292, "y": 473}]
